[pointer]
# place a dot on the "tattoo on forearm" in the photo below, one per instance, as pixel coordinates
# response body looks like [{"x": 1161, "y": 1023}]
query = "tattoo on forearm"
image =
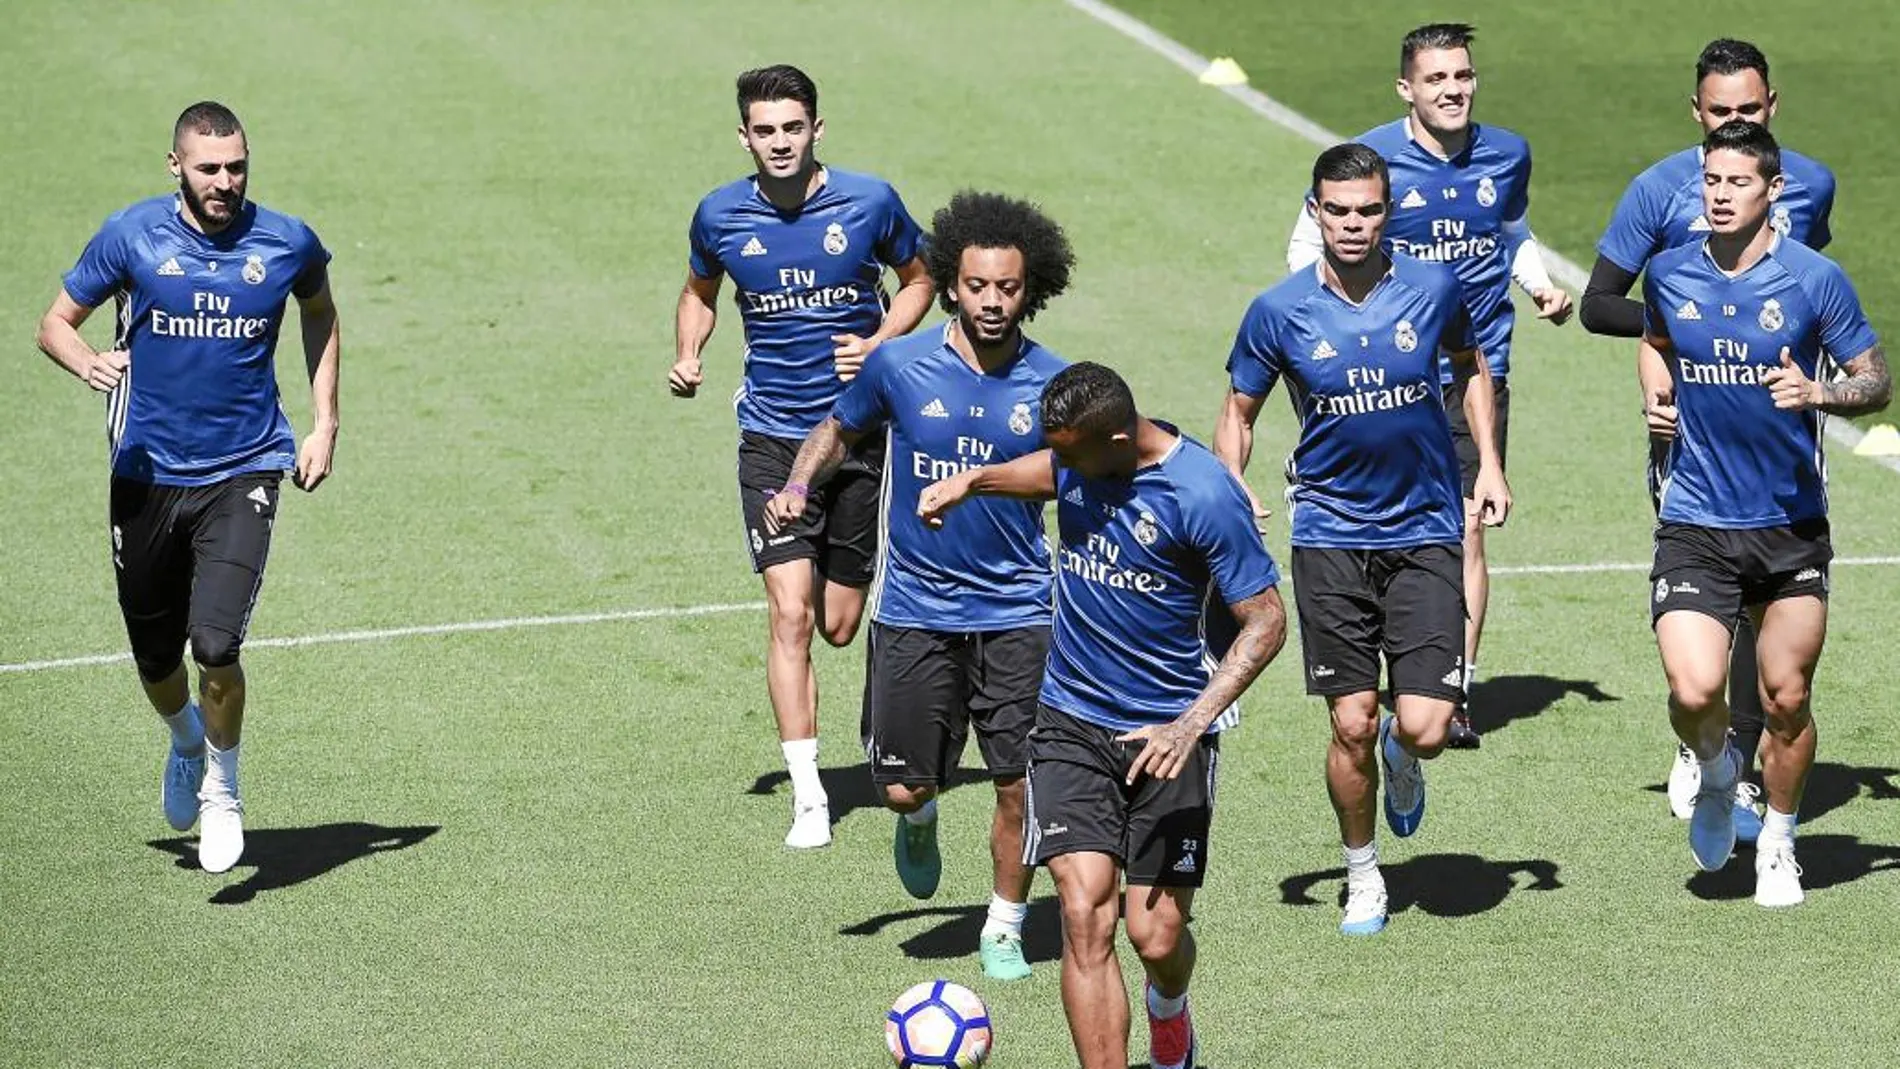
[
  {"x": 1262, "y": 633},
  {"x": 1867, "y": 387}
]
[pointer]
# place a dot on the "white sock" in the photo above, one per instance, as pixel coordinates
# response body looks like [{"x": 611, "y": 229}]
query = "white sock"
[
  {"x": 1471, "y": 675},
  {"x": 1362, "y": 862},
  {"x": 923, "y": 814},
  {"x": 188, "y": 729},
  {"x": 1165, "y": 1009},
  {"x": 1006, "y": 917},
  {"x": 1777, "y": 826},
  {"x": 221, "y": 777},
  {"x": 801, "y": 760}
]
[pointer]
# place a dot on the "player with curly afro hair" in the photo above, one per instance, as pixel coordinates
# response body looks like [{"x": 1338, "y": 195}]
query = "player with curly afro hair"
[{"x": 974, "y": 220}]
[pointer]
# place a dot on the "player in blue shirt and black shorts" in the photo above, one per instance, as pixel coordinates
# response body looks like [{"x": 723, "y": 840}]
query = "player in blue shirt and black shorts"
[
  {"x": 806, "y": 247},
  {"x": 1461, "y": 197},
  {"x": 1377, "y": 513},
  {"x": 198, "y": 438},
  {"x": 1741, "y": 333},
  {"x": 1124, "y": 753},
  {"x": 1662, "y": 209},
  {"x": 960, "y": 623}
]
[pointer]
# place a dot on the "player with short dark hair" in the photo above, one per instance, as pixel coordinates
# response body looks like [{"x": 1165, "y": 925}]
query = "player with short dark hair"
[
  {"x": 1740, "y": 332},
  {"x": 961, "y": 625},
  {"x": 199, "y": 440},
  {"x": 1123, "y": 756},
  {"x": 1376, "y": 512},
  {"x": 1662, "y": 209},
  {"x": 1461, "y": 194},
  {"x": 806, "y": 246}
]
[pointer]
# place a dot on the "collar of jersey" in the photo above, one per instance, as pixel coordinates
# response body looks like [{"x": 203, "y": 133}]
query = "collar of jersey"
[
  {"x": 1022, "y": 347},
  {"x": 824, "y": 183},
  {"x": 1774, "y": 246},
  {"x": 1411, "y": 139},
  {"x": 1319, "y": 276},
  {"x": 223, "y": 239}
]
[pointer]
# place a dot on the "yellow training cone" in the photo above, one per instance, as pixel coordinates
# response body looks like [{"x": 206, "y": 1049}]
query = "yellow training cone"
[
  {"x": 1223, "y": 71},
  {"x": 1882, "y": 441}
]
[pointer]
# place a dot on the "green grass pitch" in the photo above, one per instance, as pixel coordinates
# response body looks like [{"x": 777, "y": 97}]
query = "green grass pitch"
[{"x": 559, "y": 845}]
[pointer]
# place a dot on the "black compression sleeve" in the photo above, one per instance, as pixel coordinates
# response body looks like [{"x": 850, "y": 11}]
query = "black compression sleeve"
[{"x": 1607, "y": 308}]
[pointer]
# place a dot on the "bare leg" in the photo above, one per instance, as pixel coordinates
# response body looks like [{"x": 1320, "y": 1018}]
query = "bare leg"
[{"x": 1093, "y": 997}]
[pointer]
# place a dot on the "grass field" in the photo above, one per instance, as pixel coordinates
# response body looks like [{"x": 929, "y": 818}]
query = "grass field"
[{"x": 559, "y": 845}]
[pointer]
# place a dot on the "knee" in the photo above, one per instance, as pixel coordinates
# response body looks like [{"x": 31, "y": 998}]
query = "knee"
[
  {"x": 901, "y": 799},
  {"x": 1009, "y": 797},
  {"x": 1088, "y": 931},
  {"x": 1785, "y": 706},
  {"x": 792, "y": 624},
  {"x": 1356, "y": 725},
  {"x": 1156, "y": 939},
  {"x": 1424, "y": 737},
  {"x": 1696, "y": 694},
  {"x": 839, "y": 633},
  {"x": 214, "y": 647}
]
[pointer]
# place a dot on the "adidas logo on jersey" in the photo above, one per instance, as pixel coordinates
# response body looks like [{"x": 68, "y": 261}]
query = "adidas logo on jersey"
[
  {"x": 1700, "y": 225},
  {"x": 935, "y": 409},
  {"x": 1074, "y": 497},
  {"x": 1324, "y": 350},
  {"x": 170, "y": 269},
  {"x": 1186, "y": 864},
  {"x": 1412, "y": 199},
  {"x": 1688, "y": 311},
  {"x": 753, "y": 247}
]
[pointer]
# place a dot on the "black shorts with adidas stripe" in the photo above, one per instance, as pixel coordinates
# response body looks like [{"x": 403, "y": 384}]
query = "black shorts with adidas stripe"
[
  {"x": 1719, "y": 573},
  {"x": 1079, "y": 801},
  {"x": 839, "y": 528},
  {"x": 1356, "y": 605},
  {"x": 190, "y": 562}
]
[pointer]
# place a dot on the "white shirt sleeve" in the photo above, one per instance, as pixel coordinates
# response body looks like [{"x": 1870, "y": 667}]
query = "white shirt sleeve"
[
  {"x": 1305, "y": 246},
  {"x": 1527, "y": 260}
]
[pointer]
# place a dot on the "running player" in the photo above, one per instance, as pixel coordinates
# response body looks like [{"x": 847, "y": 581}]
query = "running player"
[
  {"x": 1123, "y": 756},
  {"x": 1661, "y": 209},
  {"x": 199, "y": 441},
  {"x": 1376, "y": 516},
  {"x": 806, "y": 246},
  {"x": 961, "y": 624},
  {"x": 1466, "y": 203},
  {"x": 1740, "y": 330}
]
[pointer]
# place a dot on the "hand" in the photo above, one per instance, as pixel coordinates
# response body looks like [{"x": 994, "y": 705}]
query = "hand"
[
  {"x": 1552, "y": 304},
  {"x": 685, "y": 377},
  {"x": 1167, "y": 751},
  {"x": 849, "y": 354},
  {"x": 1790, "y": 386},
  {"x": 1659, "y": 411},
  {"x": 1491, "y": 497},
  {"x": 107, "y": 370},
  {"x": 787, "y": 507},
  {"x": 940, "y": 497},
  {"x": 1260, "y": 512},
  {"x": 313, "y": 460}
]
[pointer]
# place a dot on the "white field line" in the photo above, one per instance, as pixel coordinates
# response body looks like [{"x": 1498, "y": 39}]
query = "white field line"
[
  {"x": 1563, "y": 270},
  {"x": 518, "y": 623}
]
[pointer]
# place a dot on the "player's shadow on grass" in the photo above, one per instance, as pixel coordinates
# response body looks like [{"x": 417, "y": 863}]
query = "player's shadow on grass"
[
  {"x": 850, "y": 789},
  {"x": 1832, "y": 785},
  {"x": 1826, "y": 861},
  {"x": 1500, "y": 700},
  {"x": 1443, "y": 885},
  {"x": 285, "y": 857},
  {"x": 956, "y": 929}
]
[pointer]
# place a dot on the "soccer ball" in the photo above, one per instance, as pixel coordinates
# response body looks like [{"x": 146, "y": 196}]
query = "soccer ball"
[{"x": 938, "y": 1025}]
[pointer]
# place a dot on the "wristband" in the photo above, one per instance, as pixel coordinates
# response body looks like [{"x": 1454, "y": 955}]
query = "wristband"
[{"x": 796, "y": 488}]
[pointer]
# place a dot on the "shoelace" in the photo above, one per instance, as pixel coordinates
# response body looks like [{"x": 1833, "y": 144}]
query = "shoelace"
[
  {"x": 1780, "y": 856},
  {"x": 1746, "y": 793},
  {"x": 1362, "y": 898}
]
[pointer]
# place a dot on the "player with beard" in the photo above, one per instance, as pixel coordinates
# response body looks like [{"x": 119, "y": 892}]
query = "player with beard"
[
  {"x": 1465, "y": 201},
  {"x": 1740, "y": 330},
  {"x": 806, "y": 246},
  {"x": 199, "y": 440},
  {"x": 1662, "y": 209},
  {"x": 961, "y": 625}
]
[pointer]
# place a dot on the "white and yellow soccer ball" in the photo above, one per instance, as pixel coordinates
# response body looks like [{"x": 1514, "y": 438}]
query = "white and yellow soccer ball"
[{"x": 938, "y": 1025}]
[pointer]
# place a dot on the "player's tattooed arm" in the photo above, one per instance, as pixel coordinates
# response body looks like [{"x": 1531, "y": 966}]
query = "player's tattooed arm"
[
  {"x": 1262, "y": 632},
  {"x": 818, "y": 459},
  {"x": 1031, "y": 477},
  {"x": 1867, "y": 387}
]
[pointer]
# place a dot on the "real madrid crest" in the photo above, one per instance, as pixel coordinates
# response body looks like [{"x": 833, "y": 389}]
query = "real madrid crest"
[
  {"x": 254, "y": 269},
  {"x": 1145, "y": 530},
  {"x": 1487, "y": 191},
  {"x": 1404, "y": 336},
  {"x": 1020, "y": 421},
  {"x": 1662, "y": 590},
  {"x": 1770, "y": 317},
  {"x": 835, "y": 241},
  {"x": 1779, "y": 220}
]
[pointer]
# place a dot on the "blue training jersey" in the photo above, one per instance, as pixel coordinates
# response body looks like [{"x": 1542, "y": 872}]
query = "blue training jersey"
[
  {"x": 987, "y": 568},
  {"x": 1375, "y": 467},
  {"x": 799, "y": 278},
  {"x": 1737, "y": 461},
  {"x": 199, "y": 315},
  {"x": 1454, "y": 211},
  {"x": 1137, "y": 558},
  {"x": 1662, "y": 208}
]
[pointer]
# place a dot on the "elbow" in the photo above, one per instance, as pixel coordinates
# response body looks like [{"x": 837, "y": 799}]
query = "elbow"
[{"x": 1590, "y": 312}]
